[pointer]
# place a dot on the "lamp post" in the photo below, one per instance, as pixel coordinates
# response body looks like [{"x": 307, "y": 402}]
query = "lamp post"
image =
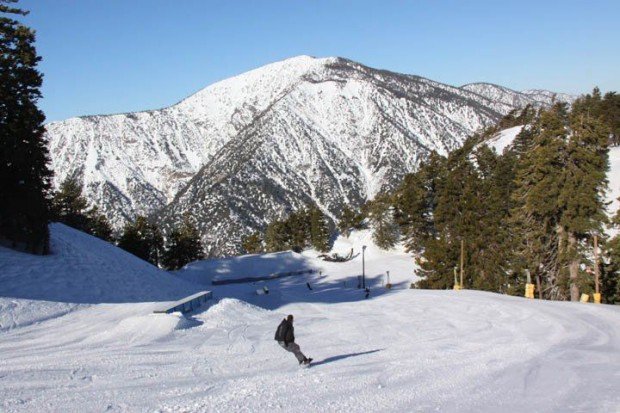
[{"x": 363, "y": 267}]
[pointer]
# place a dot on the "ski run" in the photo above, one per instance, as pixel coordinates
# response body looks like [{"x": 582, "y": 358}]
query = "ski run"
[{"x": 78, "y": 335}]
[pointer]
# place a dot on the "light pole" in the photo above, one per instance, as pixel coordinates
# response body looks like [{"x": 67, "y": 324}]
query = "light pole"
[{"x": 363, "y": 267}]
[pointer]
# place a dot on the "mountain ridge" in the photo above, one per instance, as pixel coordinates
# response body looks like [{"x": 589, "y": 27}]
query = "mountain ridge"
[{"x": 324, "y": 131}]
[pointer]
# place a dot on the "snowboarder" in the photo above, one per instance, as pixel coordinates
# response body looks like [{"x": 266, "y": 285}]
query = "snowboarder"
[{"x": 285, "y": 336}]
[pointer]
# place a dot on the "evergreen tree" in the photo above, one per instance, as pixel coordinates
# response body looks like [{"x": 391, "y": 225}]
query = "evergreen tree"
[
  {"x": 610, "y": 274},
  {"x": 415, "y": 202},
  {"x": 604, "y": 108},
  {"x": 386, "y": 232},
  {"x": 298, "y": 225},
  {"x": 458, "y": 215},
  {"x": 143, "y": 239},
  {"x": 467, "y": 199},
  {"x": 253, "y": 243},
  {"x": 69, "y": 206},
  {"x": 98, "y": 225},
  {"x": 183, "y": 246},
  {"x": 24, "y": 173},
  {"x": 437, "y": 265},
  {"x": 581, "y": 200},
  {"x": 277, "y": 236},
  {"x": 350, "y": 220},
  {"x": 536, "y": 214},
  {"x": 319, "y": 230}
]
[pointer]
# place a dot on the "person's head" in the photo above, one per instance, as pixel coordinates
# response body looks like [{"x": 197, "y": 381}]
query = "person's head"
[{"x": 290, "y": 318}]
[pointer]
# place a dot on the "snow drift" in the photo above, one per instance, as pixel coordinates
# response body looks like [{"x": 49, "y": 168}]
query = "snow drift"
[{"x": 81, "y": 269}]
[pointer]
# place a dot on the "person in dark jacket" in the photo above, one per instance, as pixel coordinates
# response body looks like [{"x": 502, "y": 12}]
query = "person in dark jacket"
[{"x": 285, "y": 336}]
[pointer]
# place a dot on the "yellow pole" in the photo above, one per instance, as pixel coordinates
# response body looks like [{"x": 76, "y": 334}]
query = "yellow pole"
[{"x": 462, "y": 260}]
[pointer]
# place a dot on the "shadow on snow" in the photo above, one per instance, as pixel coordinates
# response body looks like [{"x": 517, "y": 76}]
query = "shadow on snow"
[{"x": 344, "y": 356}]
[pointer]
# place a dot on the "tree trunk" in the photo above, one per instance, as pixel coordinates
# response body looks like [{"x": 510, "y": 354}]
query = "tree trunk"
[{"x": 573, "y": 267}]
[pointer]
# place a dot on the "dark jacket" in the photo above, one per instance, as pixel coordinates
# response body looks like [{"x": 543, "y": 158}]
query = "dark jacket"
[{"x": 285, "y": 332}]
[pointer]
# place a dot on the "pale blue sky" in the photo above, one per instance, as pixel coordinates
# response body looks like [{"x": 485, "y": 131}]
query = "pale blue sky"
[{"x": 109, "y": 56}]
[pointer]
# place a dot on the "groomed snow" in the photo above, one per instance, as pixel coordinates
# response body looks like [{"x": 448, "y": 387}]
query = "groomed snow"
[{"x": 400, "y": 350}]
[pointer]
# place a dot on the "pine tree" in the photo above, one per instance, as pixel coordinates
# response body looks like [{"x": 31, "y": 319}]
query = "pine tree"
[
  {"x": 69, "y": 206},
  {"x": 536, "y": 214},
  {"x": 437, "y": 265},
  {"x": 24, "y": 173},
  {"x": 319, "y": 230},
  {"x": 143, "y": 239},
  {"x": 277, "y": 236},
  {"x": 298, "y": 224},
  {"x": 415, "y": 201},
  {"x": 610, "y": 274},
  {"x": 183, "y": 247},
  {"x": 350, "y": 220},
  {"x": 582, "y": 196},
  {"x": 98, "y": 225},
  {"x": 386, "y": 232},
  {"x": 253, "y": 243}
]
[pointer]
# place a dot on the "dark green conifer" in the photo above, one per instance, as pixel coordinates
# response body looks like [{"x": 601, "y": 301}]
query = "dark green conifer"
[
  {"x": 535, "y": 215},
  {"x": 182, "y": 247},
  {"x": 319, "y": 230},
  {"x": 380, "y": 211},
  {"x": 277, "y": 236},
  {"x": 69, "y": 206},
  {"x": 415, "y": 201},
  {"x": 98, "y": 225},
  {"x": 143, "y": 239},
  {"x": 350, "y": 220},
  {"x": 24, "y": 173},
  {"x": 299, "y": 226},
  {"x": 581, "y": 199}
]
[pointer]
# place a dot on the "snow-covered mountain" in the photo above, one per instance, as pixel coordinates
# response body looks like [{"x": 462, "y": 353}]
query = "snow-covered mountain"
[
  {"x": 536, "y": 97},
  {"x": 246, "y": 150}
]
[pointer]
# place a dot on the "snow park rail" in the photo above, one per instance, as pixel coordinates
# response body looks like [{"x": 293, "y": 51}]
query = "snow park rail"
[
  {"x": 262, "y": 278},
  {"x": 187, "y": 304}
]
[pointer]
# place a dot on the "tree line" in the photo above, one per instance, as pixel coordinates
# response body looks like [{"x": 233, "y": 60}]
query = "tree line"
[
  {"x": 141, "y": 237},
  {"x": 533, "y": 209},
  {"x": 310, "y": 227}
]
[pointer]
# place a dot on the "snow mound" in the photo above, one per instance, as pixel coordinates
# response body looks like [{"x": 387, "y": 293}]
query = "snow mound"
[
  {"x": 244, "y": 266},
  {"x": 85, "y": 269},
  {"x": 80, "y": 270},
  {"x": 140, "y": 329},
  {"x": 229, "y": 311}
]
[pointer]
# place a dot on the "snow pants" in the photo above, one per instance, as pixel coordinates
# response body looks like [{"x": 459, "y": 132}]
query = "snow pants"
[{"x": 293, "y": 348}]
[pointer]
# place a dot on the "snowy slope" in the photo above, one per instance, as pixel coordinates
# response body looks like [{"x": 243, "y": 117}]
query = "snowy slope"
[
  {"x": 399, "y": 350},
  {"x": 536, "y": 97},
  {"x": 245, "y": 150},
  {"x": 81, "y": 271},
  {"x": 503, "y": 139}
]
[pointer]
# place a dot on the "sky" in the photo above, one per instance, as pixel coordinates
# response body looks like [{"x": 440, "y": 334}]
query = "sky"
[{"x": 117, "y": 56}]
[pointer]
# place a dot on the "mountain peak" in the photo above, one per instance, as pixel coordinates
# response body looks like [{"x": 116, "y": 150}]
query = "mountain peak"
[{"x": 243, "y": 151}]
